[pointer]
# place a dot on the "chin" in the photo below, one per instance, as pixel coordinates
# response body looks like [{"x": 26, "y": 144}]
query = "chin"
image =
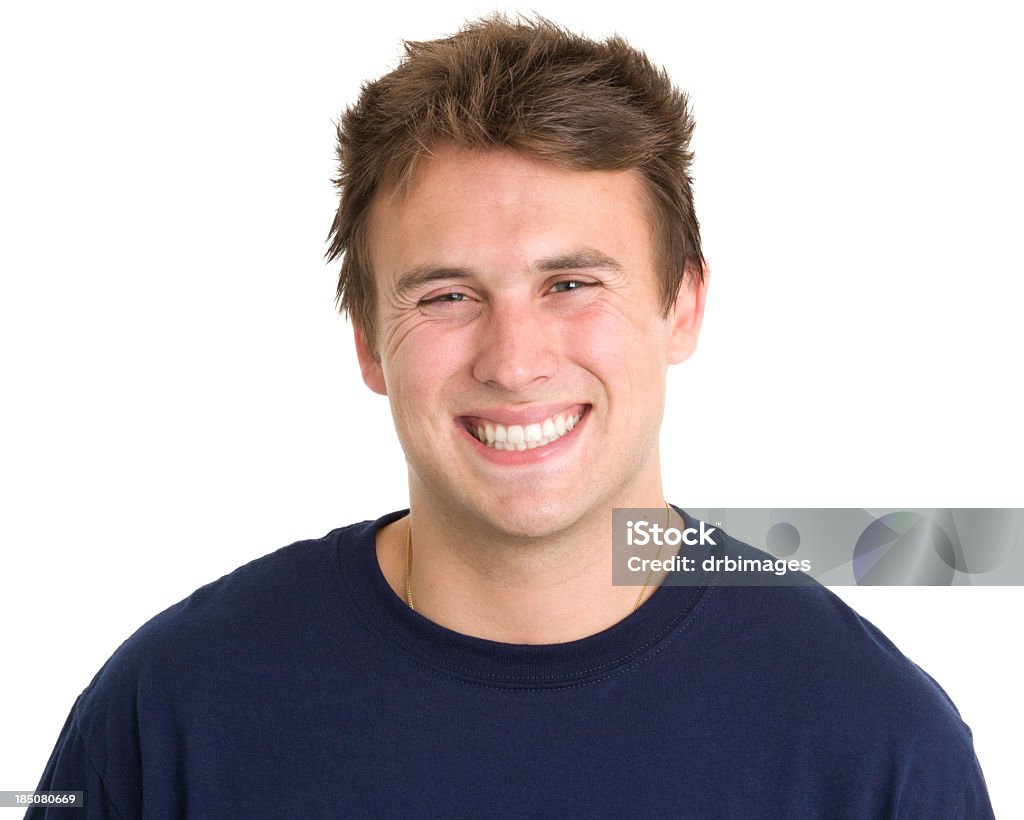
[{"x": 533, "y": 521}]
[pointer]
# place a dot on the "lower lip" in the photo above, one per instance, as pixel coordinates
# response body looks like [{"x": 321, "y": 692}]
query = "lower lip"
[{"x": 520, "y": 457}]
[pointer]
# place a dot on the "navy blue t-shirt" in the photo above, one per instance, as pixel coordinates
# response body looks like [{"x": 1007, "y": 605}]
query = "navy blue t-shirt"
[{"x": 301, "y": 686}]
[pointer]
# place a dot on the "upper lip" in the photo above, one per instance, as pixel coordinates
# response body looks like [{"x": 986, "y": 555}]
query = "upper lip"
[{"x": 532, "y": 414}]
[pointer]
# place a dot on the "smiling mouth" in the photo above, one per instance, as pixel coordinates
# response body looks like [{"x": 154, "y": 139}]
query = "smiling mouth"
[{"x": 525, "y": 436}]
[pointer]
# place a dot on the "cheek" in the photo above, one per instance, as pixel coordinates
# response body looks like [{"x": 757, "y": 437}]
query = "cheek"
[
  {"x": 418, "y": 364},
  {"x": 627, "y": 352},
  {"x": 628, "y": 358}
]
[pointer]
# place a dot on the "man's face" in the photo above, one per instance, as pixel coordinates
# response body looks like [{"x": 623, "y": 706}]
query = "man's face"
[{"x": 519, "y": 304}]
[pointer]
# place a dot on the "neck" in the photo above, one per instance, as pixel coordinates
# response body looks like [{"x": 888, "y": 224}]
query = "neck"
[{"x": 479, "y": 580}]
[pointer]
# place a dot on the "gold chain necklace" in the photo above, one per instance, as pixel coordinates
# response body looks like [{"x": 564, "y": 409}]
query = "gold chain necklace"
[{"x": 408, "y": 562}]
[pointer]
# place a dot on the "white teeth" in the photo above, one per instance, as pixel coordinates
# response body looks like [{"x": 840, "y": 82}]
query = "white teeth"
[{"x": 525, "y": 437}]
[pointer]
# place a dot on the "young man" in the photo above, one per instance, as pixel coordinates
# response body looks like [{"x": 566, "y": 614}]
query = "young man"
[{"x": 522, "y": 262}]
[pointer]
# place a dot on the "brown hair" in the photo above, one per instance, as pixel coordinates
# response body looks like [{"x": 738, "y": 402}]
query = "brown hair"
[{"x": 529, "y": 86}]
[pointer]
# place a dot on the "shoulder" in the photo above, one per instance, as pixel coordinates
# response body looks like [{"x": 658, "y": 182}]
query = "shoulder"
[
  {"x": 199, "y": 664},
  {"x": 848, "y": 693},
  {"x": 817, "y": 643},
  {"x": 227, "y": 624},
  {"x": 807, "y": 622}
]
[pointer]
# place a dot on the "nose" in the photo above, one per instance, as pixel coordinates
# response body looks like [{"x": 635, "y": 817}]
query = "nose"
[{"x": 517, "y": 348}]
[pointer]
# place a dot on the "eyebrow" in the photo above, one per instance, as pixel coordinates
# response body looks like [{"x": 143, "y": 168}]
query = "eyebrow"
[
  {"x": 582, "y": 259},
  {"x": 425, "y": 274}
]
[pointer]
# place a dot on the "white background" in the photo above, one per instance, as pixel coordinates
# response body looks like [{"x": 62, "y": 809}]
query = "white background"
[{"x": 179, "y": 396}]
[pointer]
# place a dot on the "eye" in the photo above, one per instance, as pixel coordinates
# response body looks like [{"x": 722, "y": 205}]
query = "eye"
[
  {"x": 445, "y": 299},
  {"x": 567, "y": 285},
  {"x": 449, "y": 305}
]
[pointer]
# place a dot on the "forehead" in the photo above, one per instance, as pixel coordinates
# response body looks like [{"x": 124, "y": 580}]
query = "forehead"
[{"x": 499, "y": 207}]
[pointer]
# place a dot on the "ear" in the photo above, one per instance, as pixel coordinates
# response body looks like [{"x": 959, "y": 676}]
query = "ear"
[
  {"x": 369, "y": 362},
  {"x": 687, "y": 315}
]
